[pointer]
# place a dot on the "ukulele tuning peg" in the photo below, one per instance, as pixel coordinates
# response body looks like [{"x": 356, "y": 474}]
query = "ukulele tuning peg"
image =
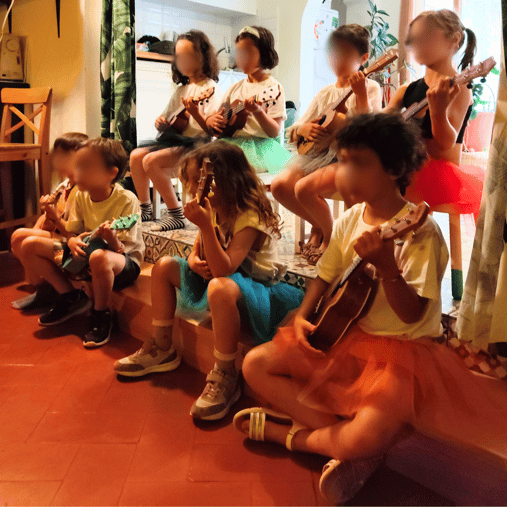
[
  {"x": 483, "y": 80},
  {"x": 470, "y": 86},
  {"x": 211, "y": 194}
]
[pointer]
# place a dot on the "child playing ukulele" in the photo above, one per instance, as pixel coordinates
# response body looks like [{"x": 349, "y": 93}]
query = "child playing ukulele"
[
  {"x": 255, "y": 53},
  {"x": 238, "y": 280},
  {"x": 196, "y": 72},
  {"x": 301, "y": 188},
  {"x": 100, "y": 163},
  {"x": 56, "y": 210}
]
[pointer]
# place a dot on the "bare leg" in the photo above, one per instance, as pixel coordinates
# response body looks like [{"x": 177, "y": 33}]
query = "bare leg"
[
  {"x": 223, "y": 297},
  {"x": 104, "y": 265},
  {"x": 160, "y": 167},
  {"x": 165, "y": 278},
  {"x": 369, "y": 433},
  {"x": 139, "y": 176},
  {"x": 311, "y": 192},
  {"x": 17, "y": 238},
  {"x": 37, "y": 254}
]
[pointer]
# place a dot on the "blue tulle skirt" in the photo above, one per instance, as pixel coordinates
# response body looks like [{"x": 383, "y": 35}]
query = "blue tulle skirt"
[{"x": 264, "y": 308}]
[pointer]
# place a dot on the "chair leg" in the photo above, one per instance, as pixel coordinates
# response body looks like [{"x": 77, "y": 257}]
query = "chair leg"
[
  {"x": 44, "y": 173},
  {"x": 299, "y": 233},
  {"x": 456, "y": 258}
]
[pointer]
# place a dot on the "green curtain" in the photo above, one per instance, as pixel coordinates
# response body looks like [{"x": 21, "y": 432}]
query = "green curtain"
[
  {"x": 118, "y": 71},
  {"x": 476, "y": 309}
]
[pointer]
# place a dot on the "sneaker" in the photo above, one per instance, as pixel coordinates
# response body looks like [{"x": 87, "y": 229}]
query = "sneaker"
[
  {"x": 69, "y": 305},
  {"x": 148, "y": 359},
  {"x": 44, "y": 295},
  {"x": 101, "y": 324},
  {"x": 221, "y": 392},
  {"x": 342, "y": 480}
]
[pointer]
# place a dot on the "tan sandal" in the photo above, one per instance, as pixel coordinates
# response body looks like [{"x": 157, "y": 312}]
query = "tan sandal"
[{"x": 257, "y": 426}]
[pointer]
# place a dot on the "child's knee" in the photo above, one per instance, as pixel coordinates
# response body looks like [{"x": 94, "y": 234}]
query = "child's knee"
[
  {"x": 302, "y": 189},
  {"x": 137, "y": 156},
  {"x": 255, "y": 362},
  {"x": 279, "y": 187},
  {"x": 17, "y": 238},
  {"x": 222, "y": 290},
  {"x": 99, "y": 262},
  {"x": 151, "y": 163},
  {"x": 167, "y": 268},
  {"x": 29, "y": 247}
]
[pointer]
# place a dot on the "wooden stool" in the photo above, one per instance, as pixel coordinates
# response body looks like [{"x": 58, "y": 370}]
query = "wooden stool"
[{"x": 10, "y": 152}]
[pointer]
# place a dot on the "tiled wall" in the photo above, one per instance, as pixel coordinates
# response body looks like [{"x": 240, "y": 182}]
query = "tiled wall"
[{"x": 159, "y": 18}]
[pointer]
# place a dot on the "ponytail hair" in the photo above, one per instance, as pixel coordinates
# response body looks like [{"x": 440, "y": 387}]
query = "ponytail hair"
[{"x": 450, "y": 23}]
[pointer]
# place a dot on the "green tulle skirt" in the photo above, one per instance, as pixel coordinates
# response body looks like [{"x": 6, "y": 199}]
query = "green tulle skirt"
[{"x": 264, "y": 154}]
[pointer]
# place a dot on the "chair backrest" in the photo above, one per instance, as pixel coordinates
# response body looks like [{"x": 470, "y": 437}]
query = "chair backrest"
[{"x": 12, "y": 97}]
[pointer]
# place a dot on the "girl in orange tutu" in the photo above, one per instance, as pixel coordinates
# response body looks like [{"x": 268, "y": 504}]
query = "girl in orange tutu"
[
  {"x": 435, "y": 37},
  {"x": 388, "y": 372}
]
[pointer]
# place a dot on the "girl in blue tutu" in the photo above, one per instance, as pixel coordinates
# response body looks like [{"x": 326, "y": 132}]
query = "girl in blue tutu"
[
  {"x": 264, "y": 101},
  {"x": 238, "y": 280}
]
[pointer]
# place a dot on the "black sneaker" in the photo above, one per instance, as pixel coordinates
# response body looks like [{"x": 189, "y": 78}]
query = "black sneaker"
[
  {"x": 44, "y": 295},
  {"x": 69, "y": 305},
  {"x": 101, "y": 324}
]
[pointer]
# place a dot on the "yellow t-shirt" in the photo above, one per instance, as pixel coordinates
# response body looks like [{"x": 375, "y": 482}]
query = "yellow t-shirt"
[
  {"x": 87, "y": 215},
  {"x": 260, "y": 265},
  {"x": 422, "y": 256}
]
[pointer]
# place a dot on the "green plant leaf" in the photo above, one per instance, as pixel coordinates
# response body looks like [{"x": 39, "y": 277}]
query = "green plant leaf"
[
  {"x": 495, "y": 71},
  {"x": 384, "y": 13}
]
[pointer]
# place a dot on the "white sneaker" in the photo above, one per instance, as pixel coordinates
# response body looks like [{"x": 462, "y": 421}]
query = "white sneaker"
[{"x": 148, "y": 359}]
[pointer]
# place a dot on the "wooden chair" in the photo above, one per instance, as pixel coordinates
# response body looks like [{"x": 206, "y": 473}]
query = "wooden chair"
[{"x": 10, "y": 152}]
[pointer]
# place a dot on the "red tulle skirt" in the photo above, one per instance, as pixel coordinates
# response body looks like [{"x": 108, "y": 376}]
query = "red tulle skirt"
[
  {"x": 441, "y": 182},
  {"x": 420, "y": 382}
]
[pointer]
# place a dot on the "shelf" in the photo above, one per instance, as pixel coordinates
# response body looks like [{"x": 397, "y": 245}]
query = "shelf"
[{"x": 154, "y": 57}]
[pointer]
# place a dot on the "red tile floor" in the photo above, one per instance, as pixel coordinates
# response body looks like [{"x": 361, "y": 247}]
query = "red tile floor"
[{"x": 71, "y": 433}]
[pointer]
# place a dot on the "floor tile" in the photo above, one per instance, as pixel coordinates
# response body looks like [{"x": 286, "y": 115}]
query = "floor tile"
[
  {"x": 255, "y": 461},
  {"x": 11, "y": 374},
  {"x": 283, "y": 493},
  {"x": 89, "y": 427},
  {"x": 96, "y": 476},
  {"x": 36, "y": 462},
  {"x": 28, "y": 492},
  {"x": 162, "y": 428},
  {"x": 23, "y": 409},
  {"x": 186, "y": 493}
]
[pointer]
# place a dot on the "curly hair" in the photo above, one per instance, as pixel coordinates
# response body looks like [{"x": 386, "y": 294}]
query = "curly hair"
[
  {"x": 265, "y": 44},
  {"x": 396, "y": 142},
  {"x": 201, "y": 43},
  {"x": 237, "y": 181},
  {"x": 354, "y": 34}
]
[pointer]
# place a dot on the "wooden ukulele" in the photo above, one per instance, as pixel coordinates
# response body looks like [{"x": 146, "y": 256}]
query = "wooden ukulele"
[
  {"x": 178, "y": 121},
  {"x": 48, "y": 225},
  {"x": 470, "y": 73},
  {"x": 74, "y": 265},
  {"x": 334, "y": 116},
  {"x": 236, "y": 115},
  {"x": 350, "y": 295}
]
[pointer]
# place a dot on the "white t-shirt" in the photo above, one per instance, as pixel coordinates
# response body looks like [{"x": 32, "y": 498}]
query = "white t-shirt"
[
  {"x": 331, "y": 94},
  {"x": 422, "y": 258},
  {"x": 193, "y": 90},
  {"x": 243, "y": 90},
  {"x": 87, "y": 215}
]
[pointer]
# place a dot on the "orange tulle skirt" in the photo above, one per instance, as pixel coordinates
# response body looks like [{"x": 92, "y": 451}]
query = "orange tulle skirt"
[
  {"x": 420, "y": 382},
  {"x": 441, "y": 182}
]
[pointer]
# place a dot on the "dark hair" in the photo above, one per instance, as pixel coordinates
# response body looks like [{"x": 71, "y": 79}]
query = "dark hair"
[
  {"x": 70, "y": 141},
  {"x": 354, "y": 34},
  {"x": 203, "y": 46},
  {"x": 236, "y": 180},
  {"x": 396, "y": 142},
  {"x": 112, "y": 152},
  {"x": 450, "y": 23},
  {"x": 265, "y": 43}
]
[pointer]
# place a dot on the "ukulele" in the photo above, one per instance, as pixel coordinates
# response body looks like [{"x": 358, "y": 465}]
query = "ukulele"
[
  {"x": 178, "y": 121},
  {"x": 350, "y": 295},
  {"x": 470, "y": 73},
  {"x": 236, "y": 115},
  {"x": 334, "y": 116},
  {"x": 48, "y": 225},
  {"x": 74, "y": 265}
]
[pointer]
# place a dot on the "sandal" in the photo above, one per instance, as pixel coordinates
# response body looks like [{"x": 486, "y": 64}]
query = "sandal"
[
  {"x": 307, "y": 249},
  {"x": 258, "y": 417},
  {"x": 315, "y": 257},
  {"x": 342, "y": 480}
]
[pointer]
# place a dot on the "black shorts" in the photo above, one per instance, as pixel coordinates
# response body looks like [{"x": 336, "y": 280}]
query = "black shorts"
[{"x": 126, "y": 277}]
